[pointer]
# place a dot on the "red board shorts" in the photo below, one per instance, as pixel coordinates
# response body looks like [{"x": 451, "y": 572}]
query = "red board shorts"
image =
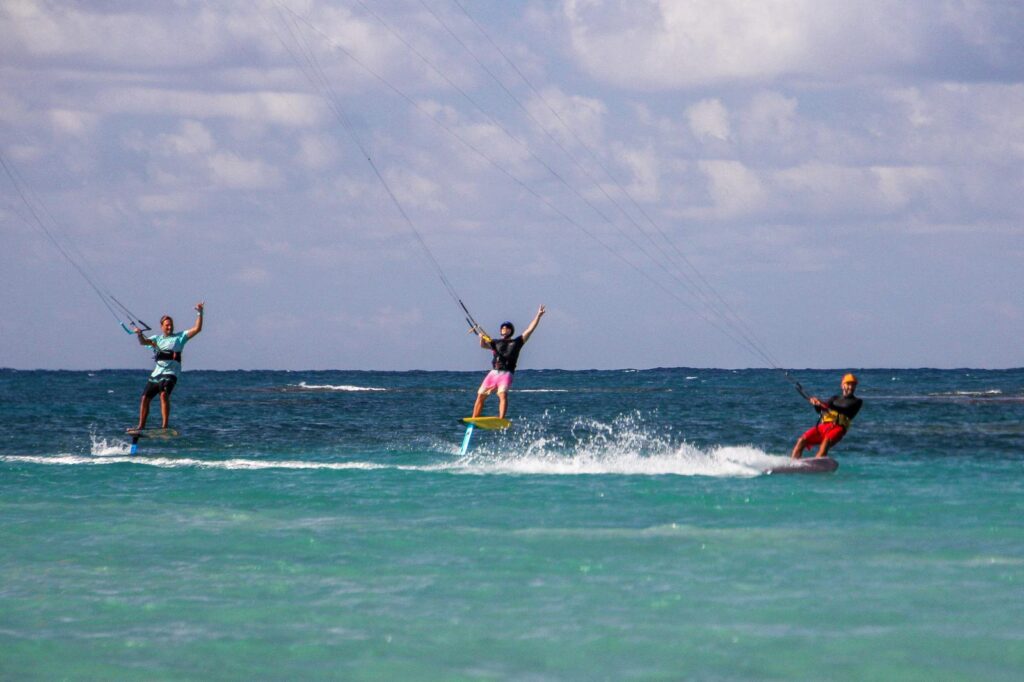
[
  {"x": 825, "y": 430},
  {"x": 496, "y": 380}
]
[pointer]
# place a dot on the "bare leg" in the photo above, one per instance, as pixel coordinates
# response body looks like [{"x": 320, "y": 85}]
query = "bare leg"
[
  {"x": 165, "y": 408},
  {"x": 823, "y": 450},
  {"x": 502, "y": 404},
  {"x": 798, "y": 449},
  {"x": 479, "y": 406},
  {"x": 144, "y": 411}
]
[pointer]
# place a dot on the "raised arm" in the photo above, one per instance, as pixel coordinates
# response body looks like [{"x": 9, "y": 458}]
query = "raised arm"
[
  {"x": 199, "y": 321},
  {"x": 143, "y": 341},
  {"x": 533, "y": 325}
]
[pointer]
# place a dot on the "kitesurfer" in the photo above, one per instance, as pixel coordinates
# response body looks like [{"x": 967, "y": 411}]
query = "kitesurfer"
[
  {"x": 506, "y": 355},
  {"x": 836, "y": 414},
  {"x": 168, "y": 347}
]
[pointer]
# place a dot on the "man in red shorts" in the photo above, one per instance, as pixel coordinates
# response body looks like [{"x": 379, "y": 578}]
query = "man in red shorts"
[{"x": 836, "y": 414}]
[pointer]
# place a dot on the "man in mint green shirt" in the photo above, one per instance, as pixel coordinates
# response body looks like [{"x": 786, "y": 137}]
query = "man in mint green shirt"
[{"x": 168, "y": 347}]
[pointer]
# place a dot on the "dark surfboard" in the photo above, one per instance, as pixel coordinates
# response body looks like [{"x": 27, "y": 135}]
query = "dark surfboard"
[
  {"x": 156, "y": 434},
  {"x": 811, "y": 465},
  {"x": 160, "y": 434}
]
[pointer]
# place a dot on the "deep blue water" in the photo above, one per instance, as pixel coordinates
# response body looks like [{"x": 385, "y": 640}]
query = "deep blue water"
[{"x": 323, "y": 525}]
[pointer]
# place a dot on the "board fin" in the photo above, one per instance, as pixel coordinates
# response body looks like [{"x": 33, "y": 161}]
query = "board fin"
[{"x": 465, "y": 440}]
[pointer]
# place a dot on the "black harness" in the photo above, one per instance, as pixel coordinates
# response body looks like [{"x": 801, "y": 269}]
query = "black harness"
[{"x": 168, "y": 355}]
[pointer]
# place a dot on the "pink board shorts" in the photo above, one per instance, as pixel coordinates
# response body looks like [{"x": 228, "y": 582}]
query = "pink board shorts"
[{"x": 496, "y": 380}]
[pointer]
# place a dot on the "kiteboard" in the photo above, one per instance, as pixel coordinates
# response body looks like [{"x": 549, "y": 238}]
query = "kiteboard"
[
  {"x": 156, "y": 434},
  {"x": 488, "y": 423},
  {"x": 161, "y": 434},
  {"x": 811, "y": 465}
]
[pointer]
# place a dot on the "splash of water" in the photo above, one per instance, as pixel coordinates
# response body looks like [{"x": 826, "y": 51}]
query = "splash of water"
[
  {"x": 101, "y": 447},
  {"x": 626, "y": 446}
]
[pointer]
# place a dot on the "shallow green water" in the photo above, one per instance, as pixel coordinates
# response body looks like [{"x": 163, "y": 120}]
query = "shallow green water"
[{"x": 305, "y": 528}]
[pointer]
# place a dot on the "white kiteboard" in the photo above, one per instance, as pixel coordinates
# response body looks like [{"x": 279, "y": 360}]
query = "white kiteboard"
[{"x": 811, "y": 465}]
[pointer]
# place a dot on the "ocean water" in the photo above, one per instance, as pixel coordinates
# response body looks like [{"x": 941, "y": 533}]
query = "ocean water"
[{"x": 322, "y": 525}]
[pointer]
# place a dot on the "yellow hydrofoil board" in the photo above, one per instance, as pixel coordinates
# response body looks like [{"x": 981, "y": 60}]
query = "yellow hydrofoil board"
[{"x": 489, "y": 423}]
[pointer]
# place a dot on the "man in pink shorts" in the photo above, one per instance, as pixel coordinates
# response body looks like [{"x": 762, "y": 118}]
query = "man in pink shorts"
[{"x": 506, "y": 355}]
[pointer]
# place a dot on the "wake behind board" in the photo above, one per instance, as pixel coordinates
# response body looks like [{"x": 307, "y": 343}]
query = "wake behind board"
[
  {"x": 489, "y": 423},
  {"x": 812, "y": 465}
]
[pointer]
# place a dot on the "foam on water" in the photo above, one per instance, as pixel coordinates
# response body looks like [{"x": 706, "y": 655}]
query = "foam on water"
[
  {"x": 343, "y": 387},
  {"x": 543, "y": 390},
  {"x": 165, "y": 462},
  {"x": 626, "y": 446},
  {"x": 686, "y": 460},
  {"x": 101, "y": 447}
]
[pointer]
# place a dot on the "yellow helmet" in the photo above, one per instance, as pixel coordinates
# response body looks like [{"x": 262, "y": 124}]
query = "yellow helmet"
[{"x": 849, "y": 379}]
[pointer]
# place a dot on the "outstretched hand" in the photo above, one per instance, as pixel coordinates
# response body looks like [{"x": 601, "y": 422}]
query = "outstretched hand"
[{"x": 200, "y": 306}]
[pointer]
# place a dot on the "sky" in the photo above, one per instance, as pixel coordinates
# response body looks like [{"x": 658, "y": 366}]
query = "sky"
[{"x": 683, "y": 183}]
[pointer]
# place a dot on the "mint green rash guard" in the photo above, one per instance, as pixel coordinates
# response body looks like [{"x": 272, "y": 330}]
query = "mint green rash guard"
[{"x": 174, "y": 342}]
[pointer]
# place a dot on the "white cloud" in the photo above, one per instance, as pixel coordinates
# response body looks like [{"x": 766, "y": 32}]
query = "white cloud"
[
  {"x": 916, "y": 107},
  {"x": 652, "y": 44},
  {"x": 194, "y": 138},
  {"x": 415, "y": 189},
  {"x": 149, "y": 36},
  {"x": 315, "y": 151},
  {"x": 166, "y": 203},
  {"x": 251, "y": 275},
  {"x": 709, "y": 118},
  {"x": 734, "y": 189},
  {"x": 982, "y": 122},
  {"x": 770, "y": 117},
  {"x": 396, "y": 323},
  {"x": 898, "y": 186},
  {"x": 280, "y": 108},
  {"x": 820, "y": 190},
  {"x": 231, "y": 170},
  {"x": 72, "y": 122},
  {"x": 479, "y": 144},
  {"x": 570, "y": 117},
  {"x": 644, "y": 171}
]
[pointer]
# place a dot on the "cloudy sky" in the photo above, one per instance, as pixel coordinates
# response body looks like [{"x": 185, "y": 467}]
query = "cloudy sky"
[{"x": 708, "y": 183}]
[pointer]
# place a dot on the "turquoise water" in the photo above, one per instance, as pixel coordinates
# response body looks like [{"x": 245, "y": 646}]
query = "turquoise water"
[{"x": 322, "y": 525}]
